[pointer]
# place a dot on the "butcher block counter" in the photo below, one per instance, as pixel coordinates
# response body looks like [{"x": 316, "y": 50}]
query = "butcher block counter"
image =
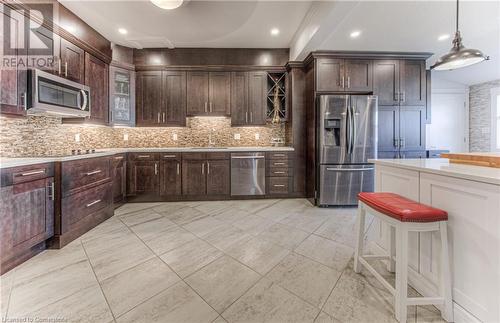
[
  {"x": 471, "y": 196},
  {"x": 486, "y": 159}
]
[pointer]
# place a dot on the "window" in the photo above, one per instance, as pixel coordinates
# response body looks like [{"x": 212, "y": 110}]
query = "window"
[{"x": 495, "y": 119}]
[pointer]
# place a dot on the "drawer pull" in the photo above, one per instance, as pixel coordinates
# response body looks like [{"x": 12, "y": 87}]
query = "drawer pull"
[
  {"x": 33, "y": 173},
  {"x": 279, "y": 172},
  {"x": 279, "y": 155},
  {"x": 93, "y": 172},
  {"x": 279, "y": 185},
  {"x": 143, "y": 156},
  {"x": 92, "y": 203},
  {"x": 169, "y": 156},
  {"x": 119, "y": 157},
  {"x": 279, "y": 163}
]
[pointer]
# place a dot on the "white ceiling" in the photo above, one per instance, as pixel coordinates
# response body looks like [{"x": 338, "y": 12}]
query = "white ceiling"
[{"x": 305, "y": 26}]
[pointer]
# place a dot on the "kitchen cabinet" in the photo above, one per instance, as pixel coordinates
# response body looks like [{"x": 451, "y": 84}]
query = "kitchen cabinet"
[
  {"x": 400, "y": 82},
  {"x": 26, "y": 213},
  {"x": 143, "y": 177},
  {"x": 96, "y": 77},
  {"x": 344, "y": 75},
  {"x": 148, "y": 98},
  {"x": 174, "y": 98},
  {"x": 205, "y": 174},
  {"x": 248, "y": 98},
  {"x": 170, "y": 175},
  {"x": 13, "y": 82},
  {"x": 121, "y": 96},
  {"x": 209, "y": 93},
  {"x": 119, "y": 179},
  {"x": 72, "y": 62},
  {"x": 279, "y": 173},
  {"x": 388, "y": 128}
]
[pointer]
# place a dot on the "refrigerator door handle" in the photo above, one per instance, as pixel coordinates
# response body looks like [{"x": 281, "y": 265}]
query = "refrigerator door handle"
[
  {"x": 348, "y": 130},
  {"x": 353, "y": 130}
]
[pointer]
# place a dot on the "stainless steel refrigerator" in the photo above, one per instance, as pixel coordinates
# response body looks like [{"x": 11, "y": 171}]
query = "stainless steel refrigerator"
[{"x": 347, "y": 138}]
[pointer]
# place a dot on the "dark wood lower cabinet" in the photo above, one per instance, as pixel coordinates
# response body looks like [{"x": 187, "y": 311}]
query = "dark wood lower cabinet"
[
  {"x": 26, "y": 218},
  {"x": 218, "y": 177},
  {"x": 194, "y": 181},
  {"x": 143, "y": 178},
  {"x": 119, "y": 180},
  {"x": 170, "y": 178}
]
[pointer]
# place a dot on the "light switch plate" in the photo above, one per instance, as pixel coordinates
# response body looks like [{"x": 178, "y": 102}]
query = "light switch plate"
[
  {"x": 257, "y": 136},
  {"x": 237, "y": 136},
  {"x": 77, "y": 137},
  {"x": 174, "y": 137},
  {"x": 125, "y": 136}
]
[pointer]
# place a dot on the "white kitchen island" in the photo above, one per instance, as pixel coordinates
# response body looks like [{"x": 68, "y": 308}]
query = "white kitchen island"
[{"x": 471, "y": 196}]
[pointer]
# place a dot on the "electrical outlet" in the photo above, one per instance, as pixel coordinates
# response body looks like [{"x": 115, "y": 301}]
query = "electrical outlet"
[
  {"x": 237, "y": 136},
  {"x": 257, "y": 136},
  {"x": 125, "y": 136},
  {"x": 77, "y": 137},
  {"x": 174, "y": 137}
]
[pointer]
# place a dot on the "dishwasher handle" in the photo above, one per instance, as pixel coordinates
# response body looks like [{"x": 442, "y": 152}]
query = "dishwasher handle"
[{"x": 247, "y": 157}]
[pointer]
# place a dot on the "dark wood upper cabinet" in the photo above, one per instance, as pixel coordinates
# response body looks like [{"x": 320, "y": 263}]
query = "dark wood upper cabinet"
[
  {"x": 358, "y": 75},
  {"x": 96, "y": 77},
  {"x": 148, "y": 98},
  {"x": 329, "y": 73},
  {"x": 170, "y": 177},
  {"x": 412, "y": 128},
  {"x": 194, "y": 177},
  {"x": 412, "y": 82},
  {"x": 197, "y": 93},
  {"x": 386, "y": 81},
  {"x": 13, "y": 82},
  {"x": 72, "y": 62},
  {"x": 143, "y": 177},
  {"x": 174, "y": 98},
  {"x": 218, "y": 178},
  {"x": 257, "y": 96},
  {"x": 219, "y": 93},
  {"x": 239, "y": 98},
  {"x": 121, "y": 96},
  {"x": 388, "y": 128}
]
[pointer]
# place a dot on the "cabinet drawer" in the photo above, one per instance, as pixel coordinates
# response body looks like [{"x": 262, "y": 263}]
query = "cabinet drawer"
[
  {"x": 80, "y": 174},
  {"x": 170, "y": 156},
  {"x": 143, "y": 156},
  {"x": 278, "y": 185},
  {"x": 279, "y": 155},
  {"x": 118, "y": 160},
  {"x": 26, "y": 173},
  {"x": 77, "y": 207},
  {"x": 194, "y": 156},
  {"x": 217, "y": 155},
  {"x": 280, "y": 163},
  {"x": 279, "y": 172}
]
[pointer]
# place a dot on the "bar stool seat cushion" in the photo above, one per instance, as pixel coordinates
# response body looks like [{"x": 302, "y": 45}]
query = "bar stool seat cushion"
[{"x": 401, "y": 208}]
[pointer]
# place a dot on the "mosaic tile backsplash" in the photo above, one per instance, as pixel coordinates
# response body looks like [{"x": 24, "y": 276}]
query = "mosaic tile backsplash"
[{"x": 45, "y": 136}]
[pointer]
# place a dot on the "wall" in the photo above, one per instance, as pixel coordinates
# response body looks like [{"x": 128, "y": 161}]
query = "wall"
[
  {"x": 480, "y": 115},
  {"x": 43, "y": 136}
]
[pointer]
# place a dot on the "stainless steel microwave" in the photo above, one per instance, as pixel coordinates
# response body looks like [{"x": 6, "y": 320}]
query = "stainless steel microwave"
[{"x": 52, "y": 94}]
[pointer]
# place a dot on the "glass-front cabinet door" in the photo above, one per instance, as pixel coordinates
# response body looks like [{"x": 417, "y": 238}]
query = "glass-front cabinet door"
[{"x": 121, "y": 96}]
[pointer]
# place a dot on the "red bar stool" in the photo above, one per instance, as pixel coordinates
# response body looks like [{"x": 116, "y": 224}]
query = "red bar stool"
[{"x": 404, "y": 215}]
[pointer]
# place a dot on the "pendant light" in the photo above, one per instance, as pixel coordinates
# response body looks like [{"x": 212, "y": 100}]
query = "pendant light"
[{"x": 459, "y": 56}]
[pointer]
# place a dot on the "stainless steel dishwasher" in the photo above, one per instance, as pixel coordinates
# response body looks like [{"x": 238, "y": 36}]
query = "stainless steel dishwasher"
[{"x": 248, "y": 174}]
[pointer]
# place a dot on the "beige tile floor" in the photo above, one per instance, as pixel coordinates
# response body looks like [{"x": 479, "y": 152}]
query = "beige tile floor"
[{"x": 230, "y": 261}]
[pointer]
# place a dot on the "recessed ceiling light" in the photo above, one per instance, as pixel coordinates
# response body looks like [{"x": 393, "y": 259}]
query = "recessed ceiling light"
[
  {"x": 168, "y": 4},
  {"x": 443, "y": 37},
  {"x": 275, "y": 31},
  {"x": 122, "y": 31},
  {"x": 355, "y": 34}
]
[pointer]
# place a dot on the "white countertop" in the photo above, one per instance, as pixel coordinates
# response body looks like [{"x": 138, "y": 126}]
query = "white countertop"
[
  {"x": 442, "y": 166},
  {"x": 22, "y": 161}
]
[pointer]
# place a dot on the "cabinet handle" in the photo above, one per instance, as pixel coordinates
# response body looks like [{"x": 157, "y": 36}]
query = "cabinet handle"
[
  {"x": 92, "y": 203},
  {"x": 403, "y": 96},
  {"x": 402, "y": 143},
  {"x": 65, "y": 69},
  {"x": 279, "y": 163},
  {"x": 246, "y": 117},
  {"x": 119, "y": 157},
  {"x": 279, "y": 172},
  {"x": 59, "y": 67},
  {"x": 164, "y": 117},
  {"x": 210, "y": 106},
  {"x": 342, "y": 85},
  {"x": 178, "y": 168},
  {"x": 396, "y": 143},
  {"x": 348, "y": 82},
  {"x": 156, "y": 169},
  {"x": 52, "y": 191},
  {"x": 203, "y": 169},
  {"x": 158, "y": 117},
  {"x": 169, "y": 156},
  {"x": 208, "y": 168},
  {"x": 251, "y": 116},
  {"x": 205, "y": 107},
  {"x": 396, "y": 96},
  {"x": 93, "y": 172},
  {"x": 279, "y": 185},
  {"x": 33, "y": 173},
  {"x": 143, "y": 156},
  {"x": 279, "y": 155},
  {"x": 24, "y": 97}
]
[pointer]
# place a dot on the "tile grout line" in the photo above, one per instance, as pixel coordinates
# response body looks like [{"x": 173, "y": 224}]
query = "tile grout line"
[
  {"x": 98, "y": 282},
  {"x": 11, "y": 288}
]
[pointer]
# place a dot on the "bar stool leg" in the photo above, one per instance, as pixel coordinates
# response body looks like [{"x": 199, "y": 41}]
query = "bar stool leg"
[
  {"x": 360, "y": 229},
  {"x": 445, "y": 284},
  {"x": 391, "y": 264},
  {"x": 401, "y": 295}
]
